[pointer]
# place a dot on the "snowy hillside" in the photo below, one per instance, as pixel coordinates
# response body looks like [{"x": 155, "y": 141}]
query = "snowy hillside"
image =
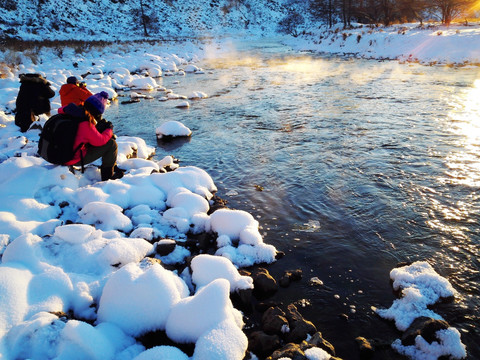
[{"x": 121, "y": 19}]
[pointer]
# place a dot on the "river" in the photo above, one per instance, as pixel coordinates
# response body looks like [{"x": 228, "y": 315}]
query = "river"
[{"x": 350, "y": 166}]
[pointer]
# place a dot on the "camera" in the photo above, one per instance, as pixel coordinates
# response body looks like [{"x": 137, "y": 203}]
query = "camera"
[{"x": 103, "y": 124}]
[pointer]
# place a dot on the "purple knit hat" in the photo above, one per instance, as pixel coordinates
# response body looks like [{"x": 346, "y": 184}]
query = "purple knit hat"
[{"x": 96, "y": 103}]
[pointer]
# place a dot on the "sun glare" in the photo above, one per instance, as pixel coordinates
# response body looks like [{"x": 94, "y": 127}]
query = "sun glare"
[
  {"x": 464, "y": 165},
  {"x": 476, "y": 6}
]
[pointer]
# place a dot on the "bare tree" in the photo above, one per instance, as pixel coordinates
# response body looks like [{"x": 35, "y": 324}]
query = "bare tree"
[
  {"x": 323, "y": 10},
  {"x": 291, "y": 23},
  {"x": 412, "y": 10},
  {"x": 143, "y": 18},
  {"x": 451, "y": 9}
]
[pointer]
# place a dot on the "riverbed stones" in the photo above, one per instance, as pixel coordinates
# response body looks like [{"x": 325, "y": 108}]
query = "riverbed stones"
[
  {"x": 300, "y": 328},
  {"x": 294, "y": 352}
]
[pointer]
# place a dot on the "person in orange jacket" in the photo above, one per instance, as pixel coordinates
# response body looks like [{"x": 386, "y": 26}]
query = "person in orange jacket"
[{"x": 74, "y": 92}]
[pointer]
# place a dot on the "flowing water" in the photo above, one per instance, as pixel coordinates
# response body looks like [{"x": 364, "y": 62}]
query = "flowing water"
[{"x": 350, "y": 166}]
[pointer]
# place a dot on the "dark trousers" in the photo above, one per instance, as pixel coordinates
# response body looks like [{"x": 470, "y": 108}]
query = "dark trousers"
[
  {"x": 107, "y": 152},
  {"x": 23, "y": 119}
]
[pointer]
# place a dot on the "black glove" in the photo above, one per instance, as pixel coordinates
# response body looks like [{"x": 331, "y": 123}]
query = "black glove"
[{"x": 102, "y": 125}]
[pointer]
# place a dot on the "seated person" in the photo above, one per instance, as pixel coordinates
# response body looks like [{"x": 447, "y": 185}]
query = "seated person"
[{"x": 74, "y": 92}]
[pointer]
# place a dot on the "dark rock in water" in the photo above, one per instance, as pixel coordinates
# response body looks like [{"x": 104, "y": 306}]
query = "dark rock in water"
[
  {"x": 165, "y": 247},
  {"x": 274, "y": 321},
  {"x": 299, "y": 327},
  {"x": 343, "y": 317},
  {"x": 295, "y": 275},
  {"x": 366, "y": 348},
  {"x": 289, "y": 276},
  {"x": 262, "y": 344},
  {"x": 131, "y": 101},
  {"x": 263, "y": 282},
  {"x": 424, "y": 326},
  {"x": 317, "y": 340},
  {"x": 171, "y": 143},
  {"x": 279, "y": 255},
  {"x": 290, "y": 350}
]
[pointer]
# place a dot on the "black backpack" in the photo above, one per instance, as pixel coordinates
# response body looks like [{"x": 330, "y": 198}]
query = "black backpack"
[{"x": 57, "y": 138}]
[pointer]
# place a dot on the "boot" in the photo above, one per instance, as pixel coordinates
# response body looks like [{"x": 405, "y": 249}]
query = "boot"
[
  {"x": 106, "y": 172},
  {"x": 117, "y": 172}
]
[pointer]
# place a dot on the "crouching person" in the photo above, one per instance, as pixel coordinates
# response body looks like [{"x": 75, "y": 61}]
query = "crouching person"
[{"x": 94, "y": 144}]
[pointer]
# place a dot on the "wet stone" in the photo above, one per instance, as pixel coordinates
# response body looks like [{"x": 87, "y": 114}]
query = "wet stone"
[
  {"x": 300, "y": 328},
  {"x": 290, "y": 350},
  {"x": 262, "y": 344},
  {"x": 424, "y": 326},
  {"x": 317, "y": 340},
  {"x": 366, "y": 348},
  {"x": 274, "y": 321},
  {"x": 263, "y": 282}
]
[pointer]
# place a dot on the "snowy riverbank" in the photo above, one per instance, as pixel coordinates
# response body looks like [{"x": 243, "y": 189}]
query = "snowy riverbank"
[
  {"x": 457, "y": 44},
  {"x": 76, "y": 270}
]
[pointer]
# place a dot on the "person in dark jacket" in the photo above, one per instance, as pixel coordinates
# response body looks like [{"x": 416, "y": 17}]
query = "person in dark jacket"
[
  {"x": 95, "y": 144},
  {"x": 74, "y": 92},
  {"x": 33, "y": 99}
]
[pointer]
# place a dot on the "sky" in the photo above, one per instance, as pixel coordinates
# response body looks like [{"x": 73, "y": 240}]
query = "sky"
[{"x": 72, "y": 244}]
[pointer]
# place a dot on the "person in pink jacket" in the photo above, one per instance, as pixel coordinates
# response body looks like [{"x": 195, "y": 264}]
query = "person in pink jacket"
[{"x": 94, "y": 144}]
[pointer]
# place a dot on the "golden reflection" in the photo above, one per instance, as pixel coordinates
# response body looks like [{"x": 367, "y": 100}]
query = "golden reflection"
[{"x": 464, "y": 165}]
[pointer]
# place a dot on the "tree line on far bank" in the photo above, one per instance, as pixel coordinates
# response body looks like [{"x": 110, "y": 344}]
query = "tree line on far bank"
[{"x": 386, "y": 12}]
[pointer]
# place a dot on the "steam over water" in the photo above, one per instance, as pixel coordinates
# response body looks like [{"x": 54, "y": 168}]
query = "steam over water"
[{"x": 363, "y": 165}]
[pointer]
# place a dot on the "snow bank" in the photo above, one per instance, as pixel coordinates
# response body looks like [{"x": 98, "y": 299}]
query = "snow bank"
[{"x": 430, "y": 44}]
